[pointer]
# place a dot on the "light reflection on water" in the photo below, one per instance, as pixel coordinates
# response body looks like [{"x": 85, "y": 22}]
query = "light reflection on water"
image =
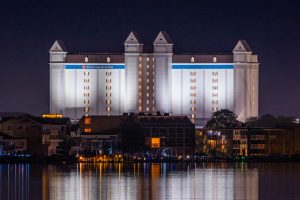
[{"x": 149, "y": 181}]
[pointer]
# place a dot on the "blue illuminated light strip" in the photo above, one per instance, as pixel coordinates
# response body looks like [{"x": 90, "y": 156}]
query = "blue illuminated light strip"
[
  {"x": 96, "y": 66},
  {"x": 202, "y": 66}
]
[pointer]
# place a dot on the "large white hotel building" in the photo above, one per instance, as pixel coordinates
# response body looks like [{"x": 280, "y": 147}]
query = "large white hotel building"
[{"x": 140, "y": 80}]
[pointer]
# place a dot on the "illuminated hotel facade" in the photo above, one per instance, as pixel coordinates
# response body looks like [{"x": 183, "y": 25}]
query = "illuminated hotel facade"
[{"x": 140, "y": 80}]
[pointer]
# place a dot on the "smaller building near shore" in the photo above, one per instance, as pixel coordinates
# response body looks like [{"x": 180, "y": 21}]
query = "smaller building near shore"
[
  {"x": 249, "y": 142},
  {"x": 44, "y": 136},
  {"x": 134, "y": 133}
]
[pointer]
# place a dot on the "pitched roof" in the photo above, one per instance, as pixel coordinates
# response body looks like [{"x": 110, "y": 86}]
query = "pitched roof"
[
  {"x": 58, "y": 46},
  {"x": 242, "y": 46},
  {"x": 163, "y": 38},
  {"x": 133, "y": 38}
]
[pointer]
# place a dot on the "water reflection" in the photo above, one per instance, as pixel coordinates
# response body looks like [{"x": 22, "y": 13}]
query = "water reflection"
[{"x": 142, "y": 181}]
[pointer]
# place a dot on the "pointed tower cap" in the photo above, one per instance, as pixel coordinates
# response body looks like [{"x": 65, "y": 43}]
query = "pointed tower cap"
[
  {"x": 133, "y": 38},
  {"x": 58, "y": 46},
  {"x": 163, "y": 38},
  {"x": 242, "y": 46}
]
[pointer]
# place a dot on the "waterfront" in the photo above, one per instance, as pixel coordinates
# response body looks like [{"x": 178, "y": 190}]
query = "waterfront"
[{"x": 150, "y": 181}]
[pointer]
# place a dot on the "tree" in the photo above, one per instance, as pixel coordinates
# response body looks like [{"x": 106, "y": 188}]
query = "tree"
[{"x": 223, "y": 119}]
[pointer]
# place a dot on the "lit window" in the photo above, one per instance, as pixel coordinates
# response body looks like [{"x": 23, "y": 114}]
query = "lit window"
[
  {"x": 155, "y": 142},
  {"x": 193, "y": 80},
  {"x": 87, "y": 130},
  {"x": 108, "y": 59},
  {"x": 108, "y": 109},
  {"x": 153, "y": 58},
  {"x": 147, "y": 58},
  {"x": 153, "y": 101},
  {"x": 147, "y": 73},
  {"x": 214, "y": 59},
  {"x": 193, "y": 108},
  {"x": 87, "y": 120},
  {"x": 147, "y": 66},
  {"x": 147, "y": 94},
  {"x": 193, "y": 116},
  {"x": 152, "y": 108},
  {"x": 147, "y": 80},
  {"x": 147, "y": 101},
  {"x": 86, "y": 109},
  {"x": 215, "y": 94},
  {"x": 147, "y": 109},
  {"x": 86, "y": 59},
  {"x": 193, "y": 102},
  {"x": 140, "y": 58},
  {"x": 193, "y": 87},
  {"x": 147, "y": 87},
  {"x": 192, "y": 59}
]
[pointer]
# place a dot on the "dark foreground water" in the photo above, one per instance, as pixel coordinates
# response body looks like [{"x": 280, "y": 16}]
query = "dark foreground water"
[{"x": 150, "y": 181}]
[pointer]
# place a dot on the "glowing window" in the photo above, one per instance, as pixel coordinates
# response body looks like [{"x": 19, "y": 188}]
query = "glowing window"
[
  {"x": 147, "y": 94},
  {"x": 86, "y": 59},
  {"x": 147, "y": 66},
  {"x": 155, "y": 142},
  {"x": 87, "y": 130},
  {"x": 214, "y": 59},
  {"x": 192, "y": 59},
  {"x": 147, "y": 109},
  {"x": 147, "y": 58},
  {"x": 108, "y": 59}
]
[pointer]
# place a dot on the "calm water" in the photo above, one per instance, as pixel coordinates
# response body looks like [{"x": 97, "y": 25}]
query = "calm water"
[{"x": 150, "y": 181}]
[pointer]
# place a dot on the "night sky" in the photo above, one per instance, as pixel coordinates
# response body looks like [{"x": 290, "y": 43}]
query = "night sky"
[{"x": 29, "y": 28}]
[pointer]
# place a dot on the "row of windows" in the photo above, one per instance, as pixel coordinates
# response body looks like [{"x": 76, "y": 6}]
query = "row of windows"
[
  {"x": 86, "y": 87},
  {"x": 86, "y": 59},
  {"x": 108, "y": 87},
  {"x": 214, "y": 102},
  {"x": 86, "y": 80},
  {"x": 215, "y": 80},
  {"x": 108, "y": 73},
  {"x": 193, "y": 87},
  {"x": 214, "y": 59},
  {"x": 86, "y": 73},
  {"x": 215, "y": 95}
]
